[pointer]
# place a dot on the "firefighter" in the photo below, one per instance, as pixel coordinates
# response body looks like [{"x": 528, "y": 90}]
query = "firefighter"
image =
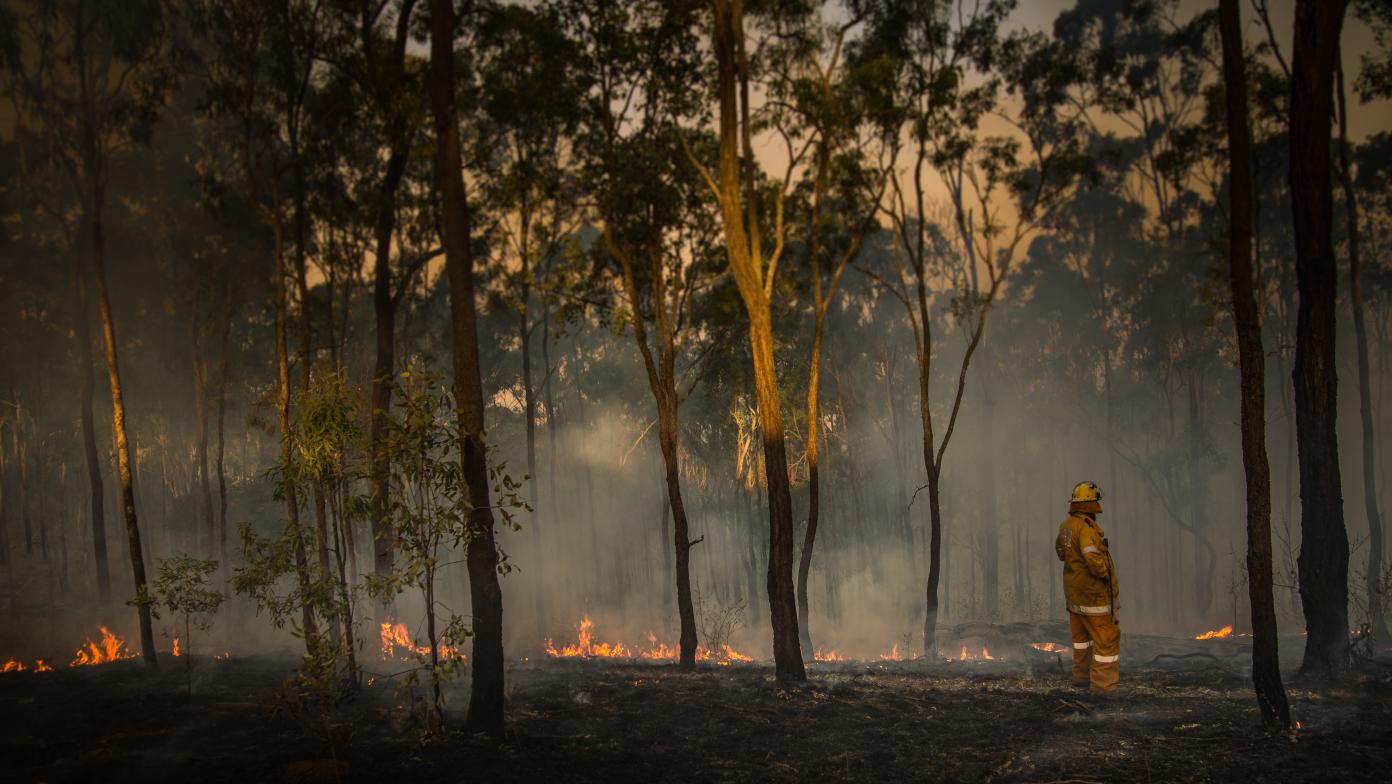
[{"x": 1090, "y": 589}]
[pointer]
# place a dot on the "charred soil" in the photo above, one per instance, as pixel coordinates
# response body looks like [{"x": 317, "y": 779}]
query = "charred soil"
[{"x": 1180, "y": 720}]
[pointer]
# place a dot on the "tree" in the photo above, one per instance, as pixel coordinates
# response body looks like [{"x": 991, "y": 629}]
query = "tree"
[
  {"x": 1266, "y": 662},
  {"x": 93, "y": 79},
  {"x": 733, "y": 186},
  {"x": 182, "y": 589},
  {"x": 1324, "y": 541},
  {"x": 922, "y": 55},
  {"x": 486, "y": 688},
  {"x": 1373, "y": 575}
]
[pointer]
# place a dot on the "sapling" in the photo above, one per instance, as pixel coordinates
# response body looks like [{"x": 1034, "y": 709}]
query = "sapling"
[{"x": 182, "y": 588}]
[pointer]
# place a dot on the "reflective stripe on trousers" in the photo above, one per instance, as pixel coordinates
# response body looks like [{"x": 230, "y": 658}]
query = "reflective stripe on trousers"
[{"x": 1085, "y": 610}]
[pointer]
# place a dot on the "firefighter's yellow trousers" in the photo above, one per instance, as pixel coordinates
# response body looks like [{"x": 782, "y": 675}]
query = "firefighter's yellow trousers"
[{"x": 1096, "y": 651}]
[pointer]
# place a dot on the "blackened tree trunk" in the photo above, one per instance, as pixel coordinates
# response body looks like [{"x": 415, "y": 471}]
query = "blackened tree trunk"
[
  {"x": 662, "y": 375},
  {"x": 1365, "y": 394},
  {"x": 1266, "y": 665},
  {"x": 83, "y": 332},
  {"x": 118, "y": 427},
  {"x": 486, "y": 688},
  {"x": 752, "y": 273},
  {"x": 1324, "y": 541}
]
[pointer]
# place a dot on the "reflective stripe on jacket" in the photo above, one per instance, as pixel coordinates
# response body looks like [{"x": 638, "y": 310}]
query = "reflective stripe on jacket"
[{"x": 1089, "y": 576}]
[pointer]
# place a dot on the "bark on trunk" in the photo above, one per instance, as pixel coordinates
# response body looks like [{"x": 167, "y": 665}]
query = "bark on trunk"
[
  {"x": 384, "y": 367},
  {"x": 89, "y": 438},
  {"x": 1365, "y": 395},
  {"x": 746, "y": 260},
  {"x": 1266, "y": 669},
  {"x": 118, "y": 427},
  {"x": 1324, "y": 540},
  {"x": 486, "y": 688}
]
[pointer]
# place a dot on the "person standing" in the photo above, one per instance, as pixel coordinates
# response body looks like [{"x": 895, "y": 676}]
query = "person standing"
[{"x": 1090, "y": 590}]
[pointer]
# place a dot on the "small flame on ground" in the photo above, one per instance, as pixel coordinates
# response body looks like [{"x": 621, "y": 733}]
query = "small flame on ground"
[
  {"x": 586, "y": 647},
  {"x": 15, "y": 665},
  {"x": 893, "y": 655},
  {"x": 395, "y": 635},
  {"x": 966, "y": 655},
  {"x": 1048, "y": 647},
  {"x": 176, "y": 646},
  {"x": 827, "y": 656},
  {"x": 111, "y": 648},
  {"x": 1216, "y": 634}
]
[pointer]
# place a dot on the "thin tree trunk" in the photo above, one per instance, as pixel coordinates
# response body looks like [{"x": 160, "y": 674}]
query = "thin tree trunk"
[
  {"x": 89, "y": 438},
  {"x": 1365, "y": 393},
  {"x": 1266, "y": 664},
  {"x": 309, "y": 624},
  {"x": 118, "y": 426},
  {"x": 224, "y": 355},
  {"x": 383, "y": 370},
  {"x": 1324, "y": 541},
  {"x": 486, "y": 688},
  {"x": 200, "y": 407}
]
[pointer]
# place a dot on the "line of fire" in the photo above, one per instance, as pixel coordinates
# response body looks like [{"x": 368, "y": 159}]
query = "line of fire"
[{"x": 695, "y": 390}]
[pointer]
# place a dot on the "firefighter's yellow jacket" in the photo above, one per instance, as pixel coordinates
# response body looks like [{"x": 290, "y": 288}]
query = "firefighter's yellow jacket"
[{"x": 1089, "y": 576}]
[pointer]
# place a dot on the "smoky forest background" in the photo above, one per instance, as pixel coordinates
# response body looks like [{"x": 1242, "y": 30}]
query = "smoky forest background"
[{"x": 490, "y": 333}]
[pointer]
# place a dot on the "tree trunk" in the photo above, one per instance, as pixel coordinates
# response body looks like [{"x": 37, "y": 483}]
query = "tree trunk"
[
  {"x": 89, "y": 438},
  {"x": 309, "y": 624},
  {"x": 486, "y": 688},
  {"x": 1365, "y": 394},
  {"x": 1324, "y": 540},
  {"x": 224, "y": 356},
  {"x": 118, "y": 427},
  {"x": 747, "y": 263},
  {"x": 200, "y": 407},
  {"x": 384, "y": 368},
  {"x": 1266, "y": 665}
]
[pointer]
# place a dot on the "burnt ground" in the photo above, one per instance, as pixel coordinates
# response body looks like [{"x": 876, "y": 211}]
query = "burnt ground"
[{"x": 1188, "y": 719}]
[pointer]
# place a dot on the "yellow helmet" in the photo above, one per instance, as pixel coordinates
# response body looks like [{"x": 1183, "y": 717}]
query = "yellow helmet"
[{"x": 1086, "y": 491}]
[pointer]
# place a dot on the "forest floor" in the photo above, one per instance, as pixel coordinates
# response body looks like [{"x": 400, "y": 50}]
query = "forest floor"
[{"x": 1011, "y": 719}]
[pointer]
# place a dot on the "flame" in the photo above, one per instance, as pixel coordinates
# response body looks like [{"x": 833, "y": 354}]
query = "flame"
[
  {"x": 112, "y": 648},
  {"x": 1216, "y": 634},
  {"x": 1048, "y": 647},
  {"x": 893, "y": 655},
  {"x": 966, "y": 655},
  {"x": 15, "y": 665},
  {"x": 827, "y": 656},
  {"x": 395, "y": 635},
  {"x": 176, "y": 646},
  {"x": 585, "y": 647}
]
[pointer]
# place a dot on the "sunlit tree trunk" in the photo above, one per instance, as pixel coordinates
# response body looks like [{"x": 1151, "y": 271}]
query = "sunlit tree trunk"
[
  {"x": 1373, "y": 576},
  {"x": 83, "y": 332},
  {"x": 747, "y": 263},
  {"x": 1266, "y": 664},
  {"x": 1324, "y": 541},
  {"x": 118, "y": 426},
  {"x": 486, "y": 688}
]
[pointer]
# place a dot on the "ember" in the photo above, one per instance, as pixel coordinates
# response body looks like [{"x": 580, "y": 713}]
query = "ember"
[{"x": 1048, "y": 647}]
